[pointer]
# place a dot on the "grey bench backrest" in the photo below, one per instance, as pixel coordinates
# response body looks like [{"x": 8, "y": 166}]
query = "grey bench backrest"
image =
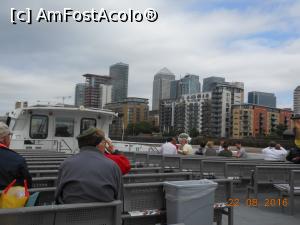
[
  {"x": 143, "y": 196},
  {"x": 70, "y": 214},
  {"x": 243, "y": 170},
  {"x": 141, "y": 157},
  {"x": 156, "y": 177},
  {"x": 130, "y": 155},
  {"x": 40, "y": 182},
  {"x": 172, "y": 161},
  {"x": 144, "y": 170},
  {"x": 155, "y": 160},
  {"x": 45, "y": 159},
  {"x": 191, "y": 163},
  {"x": 43, "y": 167},
  {"x": 44, "y": 163},
  {"x": 295, "y": 178},
  {"x": 273, "y": 174},
  {"x": 43, "y": 173}
]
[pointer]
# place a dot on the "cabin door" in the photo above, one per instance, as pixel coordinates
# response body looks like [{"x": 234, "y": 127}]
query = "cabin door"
[{"x": 64, "y": 134}]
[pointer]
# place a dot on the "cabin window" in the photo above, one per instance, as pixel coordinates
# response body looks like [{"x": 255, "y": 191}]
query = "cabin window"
[
  {"x": 86, "y": 123},
  {"x": 64, "y": 127},
  {"x": 38, "y": 127}
]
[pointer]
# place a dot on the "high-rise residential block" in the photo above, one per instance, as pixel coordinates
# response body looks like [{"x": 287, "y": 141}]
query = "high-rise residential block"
[
  {"x": 186, "y": 113},
  {"x": 297, "y": 101},
  {"x": 97, "y": 90},
  {"x": 79, "y": 94},
  {"x": 119, "y": 79}
]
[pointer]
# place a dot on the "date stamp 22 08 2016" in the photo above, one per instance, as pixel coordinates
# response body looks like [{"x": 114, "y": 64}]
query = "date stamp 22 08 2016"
[{"x": 255, "y": 202}]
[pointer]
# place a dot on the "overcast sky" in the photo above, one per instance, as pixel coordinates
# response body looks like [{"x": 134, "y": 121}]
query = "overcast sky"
[{"x": 253, "y": 41}]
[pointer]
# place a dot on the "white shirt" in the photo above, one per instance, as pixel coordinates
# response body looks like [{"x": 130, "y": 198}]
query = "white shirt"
[
  {"x": 220, "y": 149},
  {"x": 168, "y": 149},
  {"x": 272, "y": 154},
  {"x": 186, "y": 149}
]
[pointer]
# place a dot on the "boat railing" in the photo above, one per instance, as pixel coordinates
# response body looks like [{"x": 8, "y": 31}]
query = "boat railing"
[{"x": 137, "y": 146}]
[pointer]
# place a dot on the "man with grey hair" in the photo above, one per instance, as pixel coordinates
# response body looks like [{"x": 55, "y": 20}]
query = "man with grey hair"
[{"x": 12, "y": 165}]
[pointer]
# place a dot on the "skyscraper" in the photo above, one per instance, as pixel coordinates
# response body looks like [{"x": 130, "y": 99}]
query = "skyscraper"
[
  {"x": 297, "y": 101},
  {"x": 223, "y": 97},
  {"x": 97, "y": 90},
  {"x": 262, "y": 98},
  {"x": 210, "y": 83},
  {"x": 119, "y": 75},
  {"x": 79, "y": 94},
  {"x": 188, "y": 85},
  {"x": 161, "y": 86}
]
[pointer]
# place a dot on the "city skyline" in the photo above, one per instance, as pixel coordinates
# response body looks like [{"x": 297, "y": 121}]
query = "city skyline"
[{"x": 254, "y": 42}]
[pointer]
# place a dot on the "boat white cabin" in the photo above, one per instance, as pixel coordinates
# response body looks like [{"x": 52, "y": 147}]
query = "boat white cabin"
[{"x": 54, "y": 127}]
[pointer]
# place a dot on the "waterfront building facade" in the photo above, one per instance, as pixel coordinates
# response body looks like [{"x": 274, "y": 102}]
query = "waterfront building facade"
[
  {"x": 133, "y": 110},
  {"x": 251, "y": 120}
]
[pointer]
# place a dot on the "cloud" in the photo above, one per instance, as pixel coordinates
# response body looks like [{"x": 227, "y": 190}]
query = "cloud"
[{"x": 256, "y": 43}]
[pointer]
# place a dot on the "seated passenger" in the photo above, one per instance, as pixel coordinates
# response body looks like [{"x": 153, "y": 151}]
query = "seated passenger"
[
  {"x": 184, "y": 148},
  {"x": 169, "y": 148},
  {"x": 294, "y": 154},
  {"x": 106, "y": 147},
  {"x": 273, "y": 154},
  {"x": 88, "y": 176},
  {"x": 225, "y": 152},
  {"x": 210, "y": 150},
  {"x": 241, "y": 152},
  {"x": 12, "y": 165},
  {"x": 222, "y": 141},
  {"x": 202, "y": 148}
]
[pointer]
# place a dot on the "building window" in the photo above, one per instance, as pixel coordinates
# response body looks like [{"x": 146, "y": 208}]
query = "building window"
[
  {"x": 86, "y": 123},
  {"x": 38, "y": 127},
  {"x": 64, "y": 127}
]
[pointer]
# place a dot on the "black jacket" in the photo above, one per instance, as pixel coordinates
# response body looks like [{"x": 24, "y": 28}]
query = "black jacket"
[
  {"x": 12, "y": 166},
  {"x": 294, "y": 152}
]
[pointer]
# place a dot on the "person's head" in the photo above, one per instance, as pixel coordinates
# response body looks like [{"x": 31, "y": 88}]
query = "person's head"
[
  {"x": 272, "y": 144},
  {"x": 210, "y": 144},
  {"x": 203, "y": 144},
  {"x": 278, "y": 147},
  {"x": 183, "y": 138},
  {"x": 106, "y": 143},
  {"x": 90, "y": 137},
  {"x": 238, "y": 144},
  {"x": 222, "y": 140},
  {"x": 225, "y": 145},
  {"x": 5, "y": 134},
  {"x": 173, "y": 140}
]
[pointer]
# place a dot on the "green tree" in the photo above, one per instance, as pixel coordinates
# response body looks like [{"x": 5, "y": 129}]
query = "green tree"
[
  {"x": 194, "y": 132},
  {"x": 279, "y": 130}
]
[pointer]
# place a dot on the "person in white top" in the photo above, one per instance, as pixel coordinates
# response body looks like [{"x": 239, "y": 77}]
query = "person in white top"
[
  {"x": 184, "y": 148},
  {"x": 221, "y": 146},
  {"x": 274, "y": 152},
  {"x": 169, "y": 148}
]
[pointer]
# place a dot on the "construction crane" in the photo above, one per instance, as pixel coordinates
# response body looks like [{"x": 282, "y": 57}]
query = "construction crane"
[{"x": 63, "y": 98}]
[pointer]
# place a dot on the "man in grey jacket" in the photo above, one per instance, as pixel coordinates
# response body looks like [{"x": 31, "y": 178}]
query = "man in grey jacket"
[{"x": 88, "y": 176}]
